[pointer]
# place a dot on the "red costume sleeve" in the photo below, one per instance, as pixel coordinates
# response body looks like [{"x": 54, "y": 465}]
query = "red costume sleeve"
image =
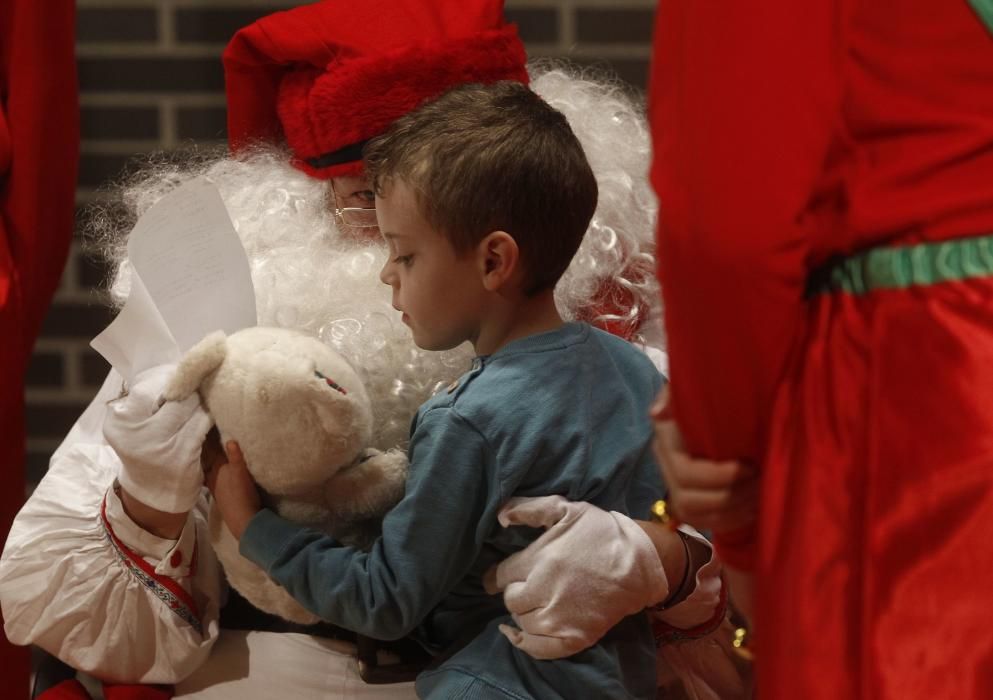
[
  {"x": 741, "y": 110},
  {"x": 39, "y": 153},
  {"x": 742, "y": 102}
]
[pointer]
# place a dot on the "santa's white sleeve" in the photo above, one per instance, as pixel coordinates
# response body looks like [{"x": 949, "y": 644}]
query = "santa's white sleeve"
[{"x": 79, "y": 579}]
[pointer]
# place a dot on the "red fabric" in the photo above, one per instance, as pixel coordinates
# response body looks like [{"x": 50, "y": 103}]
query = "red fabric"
[
  {"x": 875, "y": 564},
  {"x": 39, "y": 148},
  {"x": 786, "y": 133},
  {"x": 613, "y": 308},
  {"x": 137, "y": 692},
  {"x": 332, "y": 74},
  {"x": 66, "y": 690},
  {"x": 74, "y": 690}
]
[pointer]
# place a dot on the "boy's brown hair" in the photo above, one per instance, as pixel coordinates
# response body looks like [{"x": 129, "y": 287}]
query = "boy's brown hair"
[{"x": 493, "y": 158}]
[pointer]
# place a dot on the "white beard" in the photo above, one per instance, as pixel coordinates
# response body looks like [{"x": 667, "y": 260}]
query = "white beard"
[{"x": 310, "y": 276}]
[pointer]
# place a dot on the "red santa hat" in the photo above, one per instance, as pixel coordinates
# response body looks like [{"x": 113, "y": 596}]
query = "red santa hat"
[{"x": 331, "y": 75}]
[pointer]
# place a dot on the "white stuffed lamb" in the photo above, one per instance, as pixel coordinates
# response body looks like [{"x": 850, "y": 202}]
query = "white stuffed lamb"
[{"x": 302, "y": 419}]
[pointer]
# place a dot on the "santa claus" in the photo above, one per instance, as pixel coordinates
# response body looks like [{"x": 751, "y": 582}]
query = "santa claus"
[{"x": 107, "y": 566}]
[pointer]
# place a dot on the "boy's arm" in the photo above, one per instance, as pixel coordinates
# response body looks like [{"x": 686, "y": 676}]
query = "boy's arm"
[{"x": 430, "y": 539}]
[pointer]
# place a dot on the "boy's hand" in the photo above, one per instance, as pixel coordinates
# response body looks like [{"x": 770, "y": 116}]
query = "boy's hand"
[
  {"x": 211, "y": 453},
  {"x": 709, "y": 495},
  {"x": 234, "y": 490}
]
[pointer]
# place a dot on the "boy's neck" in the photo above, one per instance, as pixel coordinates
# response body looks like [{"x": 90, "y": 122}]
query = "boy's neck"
[{"x": 519, "y": 318}]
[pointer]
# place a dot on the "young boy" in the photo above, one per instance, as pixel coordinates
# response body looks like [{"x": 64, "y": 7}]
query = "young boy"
[{"x": 483, "y": 197}]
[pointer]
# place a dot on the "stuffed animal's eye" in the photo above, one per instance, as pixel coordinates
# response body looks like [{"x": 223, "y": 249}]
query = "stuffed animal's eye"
[{"x": 330, "y": 382}]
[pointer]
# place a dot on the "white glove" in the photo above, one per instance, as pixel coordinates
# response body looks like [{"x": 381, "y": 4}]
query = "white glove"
[
  {"x": 581, "y": 577},
  {"x": 158, "y": 442}
]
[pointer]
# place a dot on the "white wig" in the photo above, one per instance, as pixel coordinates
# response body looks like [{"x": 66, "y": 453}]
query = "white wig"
[
  {"x": 310, "y": 276},
  {"x": 619, "y": 245}
]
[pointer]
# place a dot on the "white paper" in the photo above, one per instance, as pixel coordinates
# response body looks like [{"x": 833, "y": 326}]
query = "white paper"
[
  {"x": 190, "y": 278},
  {"x": 190, "y": 258},
  {"x": 138, "y": 338}
]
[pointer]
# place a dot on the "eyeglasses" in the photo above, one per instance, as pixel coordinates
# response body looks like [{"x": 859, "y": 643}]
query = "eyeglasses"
[{"x": 356, "y": 217}]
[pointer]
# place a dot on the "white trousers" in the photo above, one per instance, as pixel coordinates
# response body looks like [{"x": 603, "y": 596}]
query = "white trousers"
[{"x": 266, "y": 665}]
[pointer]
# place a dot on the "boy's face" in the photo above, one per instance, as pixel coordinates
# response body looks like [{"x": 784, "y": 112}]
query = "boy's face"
[{"x": 439, "y": 292}]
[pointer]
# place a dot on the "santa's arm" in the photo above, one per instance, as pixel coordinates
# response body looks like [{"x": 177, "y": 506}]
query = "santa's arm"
[
  {"x": 83, "y": 581},
  {"x": 743, "y": 103}
]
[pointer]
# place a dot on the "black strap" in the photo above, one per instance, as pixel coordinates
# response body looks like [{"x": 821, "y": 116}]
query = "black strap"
[{"x": 348, "y": 154}]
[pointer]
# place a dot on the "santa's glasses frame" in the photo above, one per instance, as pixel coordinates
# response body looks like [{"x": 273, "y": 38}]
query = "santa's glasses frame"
[{"x": 356, "y": 217}]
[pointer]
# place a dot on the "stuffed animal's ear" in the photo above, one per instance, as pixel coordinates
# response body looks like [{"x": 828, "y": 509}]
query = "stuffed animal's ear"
[{"x": 202, "y": 359}]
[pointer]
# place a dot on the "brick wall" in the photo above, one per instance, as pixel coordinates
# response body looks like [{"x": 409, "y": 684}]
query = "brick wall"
[{"x": 150, "y": 79}]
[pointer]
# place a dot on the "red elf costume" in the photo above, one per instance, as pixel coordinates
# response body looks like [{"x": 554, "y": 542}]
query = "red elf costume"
[
  {"x": 825, "y": 175},
  {"x": 39, "y": 151}
]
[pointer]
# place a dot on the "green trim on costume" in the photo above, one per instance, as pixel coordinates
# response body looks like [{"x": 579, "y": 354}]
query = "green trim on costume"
[
  {"x": 984, "y": 8},
  {"x": 905, "y": 266}
]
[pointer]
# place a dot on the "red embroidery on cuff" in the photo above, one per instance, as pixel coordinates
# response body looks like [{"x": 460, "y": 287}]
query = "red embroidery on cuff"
[{"x": 164, "y": 588}]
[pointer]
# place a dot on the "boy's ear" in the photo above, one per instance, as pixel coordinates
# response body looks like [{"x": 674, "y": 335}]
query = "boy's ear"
[{"x": 499, "y": 259}]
